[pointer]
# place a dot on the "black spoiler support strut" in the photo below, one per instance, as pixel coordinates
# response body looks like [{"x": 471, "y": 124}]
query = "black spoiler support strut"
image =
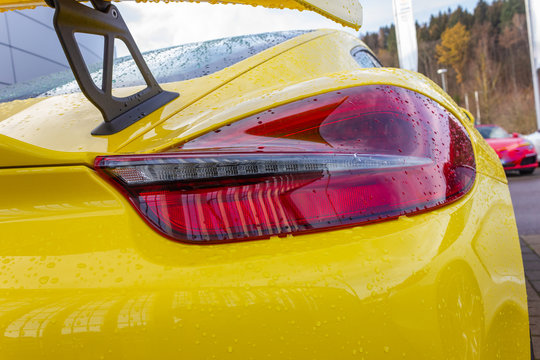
[{"x": 104, "y": 19}]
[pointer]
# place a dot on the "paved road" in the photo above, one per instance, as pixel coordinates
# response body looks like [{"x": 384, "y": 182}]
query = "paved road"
[{"x": 525, "y": 192}]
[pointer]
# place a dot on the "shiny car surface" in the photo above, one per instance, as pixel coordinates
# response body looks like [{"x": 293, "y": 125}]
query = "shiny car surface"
[
  {"x": 515, "y": 152},
  {"x": 297, "y": 204}
]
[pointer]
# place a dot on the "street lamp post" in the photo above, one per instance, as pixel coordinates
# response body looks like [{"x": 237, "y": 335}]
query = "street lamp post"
[
  {"x": 532, "y": 28},
  {"x": 443, "y": 72},
  {"x": 478, "y": 118}
]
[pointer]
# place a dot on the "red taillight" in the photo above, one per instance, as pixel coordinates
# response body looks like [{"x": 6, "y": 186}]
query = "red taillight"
[{"x": 343, "y": 158}]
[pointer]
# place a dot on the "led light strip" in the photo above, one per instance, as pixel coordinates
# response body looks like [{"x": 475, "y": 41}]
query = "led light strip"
[{"x": 170, "y": 169}]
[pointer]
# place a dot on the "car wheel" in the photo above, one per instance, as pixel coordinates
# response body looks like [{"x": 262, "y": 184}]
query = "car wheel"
[{"x": 526, "y": 171}]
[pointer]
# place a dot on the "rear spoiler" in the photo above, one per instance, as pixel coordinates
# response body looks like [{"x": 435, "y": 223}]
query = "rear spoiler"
[
  {"x": 346, "y": 12},
  {"x": 104, "y": 19}
]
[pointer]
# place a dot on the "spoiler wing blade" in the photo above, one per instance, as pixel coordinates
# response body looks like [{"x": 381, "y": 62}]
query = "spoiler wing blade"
[{"x": 345, "y": 12}]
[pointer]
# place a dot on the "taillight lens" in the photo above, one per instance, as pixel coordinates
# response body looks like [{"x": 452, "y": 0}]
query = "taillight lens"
[{"x": 343, "y": 158}]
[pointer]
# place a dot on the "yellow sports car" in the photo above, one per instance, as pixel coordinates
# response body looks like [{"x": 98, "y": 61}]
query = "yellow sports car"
[{"x": 293, "y": 200}]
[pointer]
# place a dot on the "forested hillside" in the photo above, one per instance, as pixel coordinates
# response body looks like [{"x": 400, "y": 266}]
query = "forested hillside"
[{"x": 486, "y": 51}]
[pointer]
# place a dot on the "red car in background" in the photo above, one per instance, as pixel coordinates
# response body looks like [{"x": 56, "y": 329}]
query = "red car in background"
[{"x": 515, "y": 152}]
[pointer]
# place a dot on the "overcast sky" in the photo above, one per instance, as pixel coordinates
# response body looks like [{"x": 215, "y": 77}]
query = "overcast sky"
[{"x": 157, "y": 25}]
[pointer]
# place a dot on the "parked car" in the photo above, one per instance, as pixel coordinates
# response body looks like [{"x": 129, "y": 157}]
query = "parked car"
[
  {"x": 296, "y": 200},
  {"x": 515, "y": 152}
]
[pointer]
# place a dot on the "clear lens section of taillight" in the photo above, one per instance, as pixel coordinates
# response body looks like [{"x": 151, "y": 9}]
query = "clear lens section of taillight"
[{"x": 343, "y": 158}]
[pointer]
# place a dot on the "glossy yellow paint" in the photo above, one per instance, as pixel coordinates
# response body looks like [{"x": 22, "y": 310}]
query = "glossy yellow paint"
[
  {"x": 345, "y": 12},
  {"x": 82, "y": 276},
  {"x": 16, "y": 153},
  {"x": 469, "y": 115}
]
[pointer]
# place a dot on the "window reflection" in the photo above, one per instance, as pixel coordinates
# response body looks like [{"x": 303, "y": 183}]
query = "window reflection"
[
  {"x": 136, "y": 311},
  {"x": 35, "y": 322},
  {"x": 88, "y": 317}
]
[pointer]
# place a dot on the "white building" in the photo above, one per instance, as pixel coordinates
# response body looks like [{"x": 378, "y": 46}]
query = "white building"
[{"x": 29, "y": 47}]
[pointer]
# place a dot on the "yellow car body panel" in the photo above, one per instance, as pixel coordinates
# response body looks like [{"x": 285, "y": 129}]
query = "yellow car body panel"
[
  {"x": 345, "y": 12},
  {"x": 83, "y": 276}
]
